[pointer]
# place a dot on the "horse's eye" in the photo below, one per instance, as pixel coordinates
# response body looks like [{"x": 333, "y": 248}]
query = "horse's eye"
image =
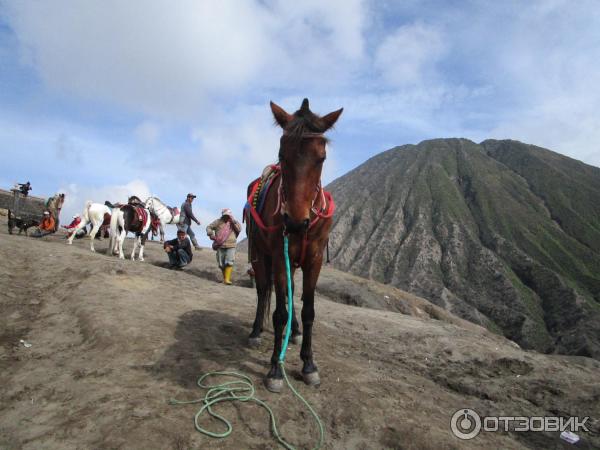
[{"x": 321, "y": 160}]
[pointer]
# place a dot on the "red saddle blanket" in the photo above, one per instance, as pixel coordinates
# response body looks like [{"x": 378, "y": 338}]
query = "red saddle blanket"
[{"x": 143, "y": 215}]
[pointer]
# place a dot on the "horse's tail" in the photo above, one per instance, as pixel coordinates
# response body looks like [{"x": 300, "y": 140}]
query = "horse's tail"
[
  {"x": 86, "y": 211},
  {"x": 114, "y": 229},
  {"x": 266, "y": 304}
]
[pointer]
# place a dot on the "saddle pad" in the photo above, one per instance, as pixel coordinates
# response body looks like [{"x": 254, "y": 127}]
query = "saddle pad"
[{"x": 142, "y": 214}]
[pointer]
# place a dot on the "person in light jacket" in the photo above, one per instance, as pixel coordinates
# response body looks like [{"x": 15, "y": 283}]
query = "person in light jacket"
[{"x": 224, "y": 232}]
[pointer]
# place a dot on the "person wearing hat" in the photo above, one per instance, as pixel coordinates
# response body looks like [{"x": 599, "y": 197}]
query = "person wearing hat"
[
  {"x": 76, "y": 221},
  {"x": 185, "y": 219},
  {"x": 224, "y": 232},
  {"x": 179, "y": 251},
  {"x": 46, "y": 226}
]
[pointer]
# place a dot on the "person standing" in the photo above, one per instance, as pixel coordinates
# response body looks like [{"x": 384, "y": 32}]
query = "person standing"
[
  {"x": 24, "y": 188},
  {"x": 179, "y": 250},
  {"x": 224, "y": 232},
  {"x": 186, "y": 217}
]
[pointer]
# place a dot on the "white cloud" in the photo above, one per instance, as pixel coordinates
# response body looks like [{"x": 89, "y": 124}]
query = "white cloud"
[
  {"x": 169, "y": 58},
  {"x": 147, "y": 133},
  {"x": 76, "y": 195},
  {"x": 409, "y": 55}
]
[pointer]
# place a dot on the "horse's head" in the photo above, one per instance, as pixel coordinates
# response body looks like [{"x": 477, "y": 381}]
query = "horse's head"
[
  {"x": 134, "y": 200},
  {"x": 149, "y": 204},
  {"x": 302, "y": 152}
]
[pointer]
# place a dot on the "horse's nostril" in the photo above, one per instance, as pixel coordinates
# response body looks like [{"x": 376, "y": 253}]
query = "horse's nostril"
[{"x": 306, "y": 222}]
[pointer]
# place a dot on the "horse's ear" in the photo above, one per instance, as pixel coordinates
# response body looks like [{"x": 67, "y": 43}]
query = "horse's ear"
[
  {"x": 281, "y": 117},
  {"x": 330, "y": 119}
]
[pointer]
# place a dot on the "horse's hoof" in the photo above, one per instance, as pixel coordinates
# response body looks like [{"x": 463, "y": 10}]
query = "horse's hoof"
[
  {"x": 254, "y": 342},
  {"x": 274, "y": 384},
  {"x": 93, "y": 250},
  {"x": 297, "y": 340},
  {"x": 311, "y": 379}
]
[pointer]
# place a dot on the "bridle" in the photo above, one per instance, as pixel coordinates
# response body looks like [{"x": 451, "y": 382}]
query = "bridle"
[
  {"x": 150, "y": 203},
  {"x": 319, "y": 192}
]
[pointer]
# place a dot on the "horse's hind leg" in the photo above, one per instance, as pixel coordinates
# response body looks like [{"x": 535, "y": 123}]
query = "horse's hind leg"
[
  {"x": 120, "y": 243},
  {"x": 296, "y": 337},
  {"x": 264, "y": 283},
  {"x": 93, "y": 235}
]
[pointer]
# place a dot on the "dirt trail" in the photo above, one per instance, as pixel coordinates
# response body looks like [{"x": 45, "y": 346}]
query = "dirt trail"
[{"x": 113, "y": 340}]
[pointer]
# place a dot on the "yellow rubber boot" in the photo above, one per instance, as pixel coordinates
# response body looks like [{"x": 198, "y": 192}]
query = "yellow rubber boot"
[{"x": 227, "y": 274}]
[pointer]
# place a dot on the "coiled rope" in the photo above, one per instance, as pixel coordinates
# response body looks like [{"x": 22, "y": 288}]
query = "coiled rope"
[{"x": 242, "y": 388}]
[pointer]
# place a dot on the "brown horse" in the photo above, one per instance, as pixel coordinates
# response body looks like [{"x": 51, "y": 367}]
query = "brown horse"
[{"x": 297, "y": 206}]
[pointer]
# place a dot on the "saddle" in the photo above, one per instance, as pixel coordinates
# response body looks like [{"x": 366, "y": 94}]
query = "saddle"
[
  {"x": 142, "y": 214},
  {"x": 261, "y": 186}
]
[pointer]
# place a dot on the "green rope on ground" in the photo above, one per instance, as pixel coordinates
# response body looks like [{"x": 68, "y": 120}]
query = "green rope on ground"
[{"x": 242, "y": 389}]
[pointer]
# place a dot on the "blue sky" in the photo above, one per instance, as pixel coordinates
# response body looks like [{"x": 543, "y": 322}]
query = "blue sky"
[{"x": 102, "y": 99}]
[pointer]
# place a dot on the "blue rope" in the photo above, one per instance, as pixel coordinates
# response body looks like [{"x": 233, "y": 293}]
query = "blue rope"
[{"x": 288, "y": 273}]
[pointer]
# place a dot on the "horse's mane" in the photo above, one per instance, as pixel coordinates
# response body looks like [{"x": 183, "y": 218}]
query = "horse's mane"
[
  {"x": 155, "y": 198},
  {"x": 305, "y": 121}
]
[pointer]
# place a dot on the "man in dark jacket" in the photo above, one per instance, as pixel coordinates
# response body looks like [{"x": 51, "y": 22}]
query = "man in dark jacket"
[
  {"x": 185, "y": 219},
  {"x": 179, "y": 250}
]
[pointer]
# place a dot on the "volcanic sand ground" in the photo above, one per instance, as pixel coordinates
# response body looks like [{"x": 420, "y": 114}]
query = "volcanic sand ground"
[{"x": 113, "y": 341}]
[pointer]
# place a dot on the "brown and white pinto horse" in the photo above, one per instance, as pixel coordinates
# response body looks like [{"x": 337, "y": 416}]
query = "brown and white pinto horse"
[
  {"x": 300, "y": 208},
  {"x": 133, "y": 217}
]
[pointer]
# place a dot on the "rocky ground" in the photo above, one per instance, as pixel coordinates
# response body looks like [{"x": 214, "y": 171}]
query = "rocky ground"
[{"x": 112, "y": 341}]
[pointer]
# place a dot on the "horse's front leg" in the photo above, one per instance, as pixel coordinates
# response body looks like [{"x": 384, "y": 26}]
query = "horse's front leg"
[
  {"x": 142, "y": 243},
  {"x": 311, "y": 271},
  {"x": 274, "y": 380},
  {"x": 162, "y": 232},
  {"x": 136, "y": 239}
]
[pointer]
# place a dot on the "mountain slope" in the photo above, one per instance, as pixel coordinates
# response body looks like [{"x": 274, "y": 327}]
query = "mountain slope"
[
  {"x": 112, "y": 341},
  {"x": 503, "y": 234}
]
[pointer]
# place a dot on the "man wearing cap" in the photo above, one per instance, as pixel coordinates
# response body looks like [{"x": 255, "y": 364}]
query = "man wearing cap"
[
  {"x": 46, "y": 226},
  {"x": 185, "y": 219},
  {"x": 224, "y": 232},
  {"x": 76, "y": 221},
  {"x": 179, "y": 250}
]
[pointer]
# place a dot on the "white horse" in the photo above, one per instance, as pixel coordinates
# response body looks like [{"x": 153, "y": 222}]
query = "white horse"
[
  {"x": 127, "y": 218},
  {"x": 165, "y": 214},
  {"x": 94, "y": 213}
]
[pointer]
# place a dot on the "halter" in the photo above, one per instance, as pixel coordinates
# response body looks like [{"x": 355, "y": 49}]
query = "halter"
[
  {"x": 325, "y": 212},
  {"x": 281, "y": 197}
]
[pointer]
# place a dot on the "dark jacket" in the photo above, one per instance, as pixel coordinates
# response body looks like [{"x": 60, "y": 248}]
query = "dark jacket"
[
  {"x": 186, "y": 215},
  {"x": 185, "y": 245}
]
